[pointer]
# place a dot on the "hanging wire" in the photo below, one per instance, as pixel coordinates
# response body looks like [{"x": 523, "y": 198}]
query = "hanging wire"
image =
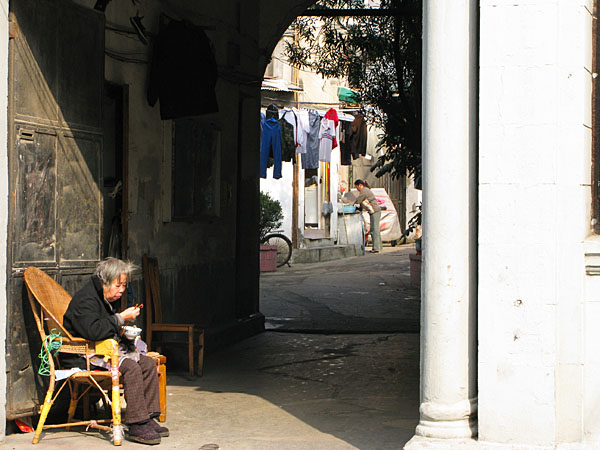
[
  {"x": 124, "y": 58},
  {"x": 52, "y": 343},
  {"x": 340, "y": 103}
]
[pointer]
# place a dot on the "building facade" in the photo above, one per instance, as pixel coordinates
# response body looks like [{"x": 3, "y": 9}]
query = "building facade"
[{"x": 510, "y": 286}]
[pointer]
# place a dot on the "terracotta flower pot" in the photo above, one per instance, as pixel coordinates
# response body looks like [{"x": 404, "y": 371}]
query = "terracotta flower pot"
[{"x": 268, "y": 258}]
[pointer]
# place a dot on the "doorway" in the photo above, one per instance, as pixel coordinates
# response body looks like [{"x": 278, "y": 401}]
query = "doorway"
[{"x": 114, "y": 177}]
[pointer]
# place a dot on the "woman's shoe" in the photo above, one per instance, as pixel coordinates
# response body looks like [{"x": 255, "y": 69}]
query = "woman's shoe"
[
  {"x": 162, "y": 431},
  {"x": 143, "y": 433}
]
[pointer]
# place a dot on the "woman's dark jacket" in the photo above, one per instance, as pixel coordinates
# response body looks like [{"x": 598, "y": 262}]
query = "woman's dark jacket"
[{"x": 90, "y": 316}]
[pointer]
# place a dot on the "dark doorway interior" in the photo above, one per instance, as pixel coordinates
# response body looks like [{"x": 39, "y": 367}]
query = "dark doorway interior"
[{"x": 113, "y": 182}]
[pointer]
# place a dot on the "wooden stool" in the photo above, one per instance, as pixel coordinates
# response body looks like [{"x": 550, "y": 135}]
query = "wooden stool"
[{"x": 161, "y": 367}]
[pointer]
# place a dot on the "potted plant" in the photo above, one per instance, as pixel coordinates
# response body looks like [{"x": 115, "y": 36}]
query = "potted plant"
[{"x": 271, "y": 218}]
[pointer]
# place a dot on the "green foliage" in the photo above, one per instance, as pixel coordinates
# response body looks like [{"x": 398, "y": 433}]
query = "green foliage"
[
  {"x": 381, "y": 58},
  {"x": 271, "y": 215}
]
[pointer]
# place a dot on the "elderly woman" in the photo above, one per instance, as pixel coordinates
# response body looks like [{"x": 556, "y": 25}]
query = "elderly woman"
[{"x": 92, "y": 314}]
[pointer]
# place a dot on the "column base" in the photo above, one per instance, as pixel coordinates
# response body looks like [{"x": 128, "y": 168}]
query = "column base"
[
  {"x": 457, "y": 429},
  {"x": 425, "y": 443},
  {"x": 443, "y": 421}
]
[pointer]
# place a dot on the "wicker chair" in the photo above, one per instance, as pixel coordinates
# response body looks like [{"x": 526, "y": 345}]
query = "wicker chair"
[{"x": 49, "y": 302}]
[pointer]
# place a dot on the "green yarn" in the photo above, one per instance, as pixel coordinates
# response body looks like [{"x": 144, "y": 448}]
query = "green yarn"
[{"x": 51, "y": 344}]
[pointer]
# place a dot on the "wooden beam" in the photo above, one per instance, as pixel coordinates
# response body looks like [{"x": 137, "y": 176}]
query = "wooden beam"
[{"x": 346, "y": 12}]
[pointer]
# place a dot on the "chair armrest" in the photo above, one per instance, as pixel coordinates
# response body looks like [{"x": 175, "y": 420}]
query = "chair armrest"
[
  {"x": 76, "y": 345},
  {"x": 77, "y": 340}
]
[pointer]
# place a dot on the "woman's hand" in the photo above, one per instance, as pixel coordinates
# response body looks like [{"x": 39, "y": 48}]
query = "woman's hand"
[{"x": 130, "y": 313}]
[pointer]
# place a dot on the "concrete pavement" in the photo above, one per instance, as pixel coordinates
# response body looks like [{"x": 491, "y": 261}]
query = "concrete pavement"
[
  {"x": 362, "y": 294},
  {"x": 349, "y": 380}
]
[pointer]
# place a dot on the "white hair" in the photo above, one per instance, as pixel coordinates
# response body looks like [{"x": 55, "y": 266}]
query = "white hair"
[{"x": 111, "y": 268}]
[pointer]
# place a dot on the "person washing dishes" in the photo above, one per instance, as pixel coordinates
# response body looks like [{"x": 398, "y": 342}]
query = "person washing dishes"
[{"x": 367, "y": 201}]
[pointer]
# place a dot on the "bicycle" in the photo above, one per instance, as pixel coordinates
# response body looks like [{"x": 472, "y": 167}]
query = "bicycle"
[
  {"x": 284, "y": 247},
  {"x": 412, "y": 225}
]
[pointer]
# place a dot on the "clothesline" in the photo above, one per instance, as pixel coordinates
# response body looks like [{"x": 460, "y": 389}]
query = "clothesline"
[
  {"x": 341, "y": 114},
  {"x": 311, "y": 133},
  {"x": 306, "y": 102}
]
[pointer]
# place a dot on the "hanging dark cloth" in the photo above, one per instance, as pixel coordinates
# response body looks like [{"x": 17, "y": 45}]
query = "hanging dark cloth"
[
  {"x": 272, "y": 112},
  {"x": 183, "y": 72},
  {"x": 288, "y": 141},
  {"x": 345, "y": 148},
  {"x": 358, "y": 137}
]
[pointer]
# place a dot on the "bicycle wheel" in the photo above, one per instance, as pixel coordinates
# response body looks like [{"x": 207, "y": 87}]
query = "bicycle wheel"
[{"x": 284, "y": 247}]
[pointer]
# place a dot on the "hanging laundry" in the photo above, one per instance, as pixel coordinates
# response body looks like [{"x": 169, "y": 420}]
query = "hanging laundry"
[
  {"x": 345, "y": 148},
  {"x": 270, "y": 142},
  {"x": 290, "y": 116},
  {"x": 310, "y": 160},
  {"x": 272, "y": 112},
  {"x": 358, "y": 137},
  {"x": 327, "y": 138},
  {"x": 288, "y": 143},
  {"x": 183, "y": 72},
  {"x": 302, "y": 130},
  {"x": 331, "y": 114}
]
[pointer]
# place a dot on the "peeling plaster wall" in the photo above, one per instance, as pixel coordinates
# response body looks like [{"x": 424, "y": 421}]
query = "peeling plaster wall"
[
  {"x": 3, "y": 203},
  {"x": 534, "y": 210}
]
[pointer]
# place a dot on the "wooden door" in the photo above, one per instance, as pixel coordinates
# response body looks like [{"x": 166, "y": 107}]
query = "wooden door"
[{"x": 56, "y": 75}]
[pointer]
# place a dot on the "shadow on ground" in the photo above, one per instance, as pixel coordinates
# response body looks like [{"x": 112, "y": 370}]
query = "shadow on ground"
[{"x": 338, "y": 368}]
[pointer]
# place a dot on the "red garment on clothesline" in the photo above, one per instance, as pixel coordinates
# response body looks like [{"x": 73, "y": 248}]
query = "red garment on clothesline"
[{"x": 332, "y": 115}]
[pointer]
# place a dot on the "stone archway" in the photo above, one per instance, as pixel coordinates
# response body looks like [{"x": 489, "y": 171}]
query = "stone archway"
[
  {"x": 274, "y": 20},
  {"x": 449, "y": 288},
  {"x": 448, "y": 376}
]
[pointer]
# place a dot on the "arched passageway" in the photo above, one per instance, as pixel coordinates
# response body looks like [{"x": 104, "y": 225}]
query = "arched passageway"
[
  {"x": 208, "y": 255},
  {"x": 449, "y": 355}
]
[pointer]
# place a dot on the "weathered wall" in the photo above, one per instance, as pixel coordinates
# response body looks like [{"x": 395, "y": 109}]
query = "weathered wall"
[
  {"x": 209, "y": 269},
  {"x": 3, "y": 203},
  {"x": 209, "y": 266},
  {"x": 536, "y": 328},
  {"x": 209, "y": 272}
]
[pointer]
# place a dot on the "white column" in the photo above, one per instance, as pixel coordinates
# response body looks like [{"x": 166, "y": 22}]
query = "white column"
[{"x": 449, "y": 284}]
